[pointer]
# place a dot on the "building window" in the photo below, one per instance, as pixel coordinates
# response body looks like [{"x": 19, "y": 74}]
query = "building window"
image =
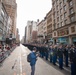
[
  {"x": 54, "y": 20},
  {"x": 57, "y": 7},
  {"x": 61, "y": 17},
  {"x": 65, "y": 21},
  {"x": 58, "y": 19},
  {"x": 65, "y": 15},
  {"x": 57, "y": 1},
  {"x": 57, "y": 13},
  {"x": 54, "y": 15},
  {"x": 60, "y": 4},
  {"x": 64, "y": 1},
  {"x": 2, "y": 12},
  {"x": 64, "y": 8},
  {"x": 62, "y": 24},
  {"x": 54, "y": 4},
  {"x": 54, "y": 26},
  {"x": 63, "y": 32},
  {"x": 70, "y": 3},
  {"x": 71, "y": 11},
  {"x": 72, "y": 18},
  {"x": 72, "y": 29},
  {"x": 54, "y": 33},
  {"x": 58, "y": 25},
  {"x": 60, "y": 11}
]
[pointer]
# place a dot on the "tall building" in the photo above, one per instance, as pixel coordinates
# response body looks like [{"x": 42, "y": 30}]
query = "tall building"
[
  {"x": 25, "y": 34},
  {"x": 49, "y": 26},
  {"x": 11, "y": 8},
  {"x": 3, "y": 22},
  {"x": 42, "y": 31},
  {"x": 31, "y": 32},
  {"x": 64, "y": 21},
  {"x": 17, "y": 36}
]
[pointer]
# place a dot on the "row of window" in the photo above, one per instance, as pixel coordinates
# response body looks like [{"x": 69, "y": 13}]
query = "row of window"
[
  {"x": 61, "y": 3},
  {"x": 65, "y": 31},
  {"x": 72, "y": 19},
  {"x": 71, "y": 11}
]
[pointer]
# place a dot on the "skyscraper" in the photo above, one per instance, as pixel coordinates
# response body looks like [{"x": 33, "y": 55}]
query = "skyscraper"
[{"x": 11, "y": 8}]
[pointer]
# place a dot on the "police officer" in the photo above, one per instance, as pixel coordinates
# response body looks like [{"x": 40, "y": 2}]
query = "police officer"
[
  {"x": 51, "y": 53},
  {"x": 54, "y": 54},
  {"x": 46, "y": 52},
  {"x": 40, "y": 50},
  {"x": 73, "y": 60},
  {"x": 66, "y": 49},
  {"x": 60, "y": 56}
]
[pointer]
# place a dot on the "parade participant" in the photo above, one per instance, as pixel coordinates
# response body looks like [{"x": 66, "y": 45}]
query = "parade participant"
[
  {"x": 40, "y": 48},
  {"x": 66, "y": 49},
  {"x": 54, "y": 54},
  {"x": 73, "y": 60},
  {"x": 60, "y": 56},
  {"x": 51, "y": 53},
  {"x": 46, "y": 52},
  {"x": 43, "y": 49}
]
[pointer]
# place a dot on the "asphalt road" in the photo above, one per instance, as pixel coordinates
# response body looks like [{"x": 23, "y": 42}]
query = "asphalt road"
[{"x": 16, "y": 64}]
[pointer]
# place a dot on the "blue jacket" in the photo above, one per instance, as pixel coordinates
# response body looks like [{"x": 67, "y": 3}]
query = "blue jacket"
[{"x": 33, "y": 58}]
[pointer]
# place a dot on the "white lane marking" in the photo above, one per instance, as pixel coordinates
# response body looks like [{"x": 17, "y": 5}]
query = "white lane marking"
[
  {"x": 20, "y": 63},
  {"x": 24, "y": 49}
]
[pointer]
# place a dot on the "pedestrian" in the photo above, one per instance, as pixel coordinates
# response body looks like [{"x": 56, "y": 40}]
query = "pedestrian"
[
  {"x": 33, "y": 59},
  {"x": 73, "y": 60}
]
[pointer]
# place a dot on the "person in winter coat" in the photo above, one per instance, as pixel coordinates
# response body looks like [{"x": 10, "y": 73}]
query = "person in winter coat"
[{"x": 33, "y": 59}]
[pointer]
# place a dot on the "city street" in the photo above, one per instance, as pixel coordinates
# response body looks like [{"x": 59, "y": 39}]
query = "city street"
[{"x": 16, "y": 64}]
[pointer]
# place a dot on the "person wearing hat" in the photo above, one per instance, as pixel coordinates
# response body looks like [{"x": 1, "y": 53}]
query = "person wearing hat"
[{"x": 33, "y": 59}]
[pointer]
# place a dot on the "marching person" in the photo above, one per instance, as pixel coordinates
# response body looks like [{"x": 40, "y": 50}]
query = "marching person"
[
  {"x": 54, "y": 54},
  {"x": 73, "y": 60},
  {"x": 60, "y": 56},
  {"x": 51, "y": 53},
  {"x": 66, "y": 55}
]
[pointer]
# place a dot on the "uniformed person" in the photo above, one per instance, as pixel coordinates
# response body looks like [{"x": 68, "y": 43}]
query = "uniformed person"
[
  {"x": 51, "y": 53},
  {"x": 60, "y": 56},
  {"x": 54, "y": 54},
  {"x": 73, "y": 60},
  {"x": 46, "y": 52},
  {"x": 66, "y": 50}
]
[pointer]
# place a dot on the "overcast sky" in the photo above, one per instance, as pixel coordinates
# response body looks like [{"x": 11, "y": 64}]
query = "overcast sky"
[{"x": 31, "y": 10}]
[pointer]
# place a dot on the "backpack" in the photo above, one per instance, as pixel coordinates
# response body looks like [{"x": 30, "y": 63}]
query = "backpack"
[{"x": 29, "y": 57}]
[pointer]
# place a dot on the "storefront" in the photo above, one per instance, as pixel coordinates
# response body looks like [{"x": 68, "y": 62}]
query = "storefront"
[
  {"x": 74, "y": 40},
  {"x": 63, "y": 40}
]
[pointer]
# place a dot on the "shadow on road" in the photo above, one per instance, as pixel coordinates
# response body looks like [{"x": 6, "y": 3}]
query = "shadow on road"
[{"x": 64, "y": 71}]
